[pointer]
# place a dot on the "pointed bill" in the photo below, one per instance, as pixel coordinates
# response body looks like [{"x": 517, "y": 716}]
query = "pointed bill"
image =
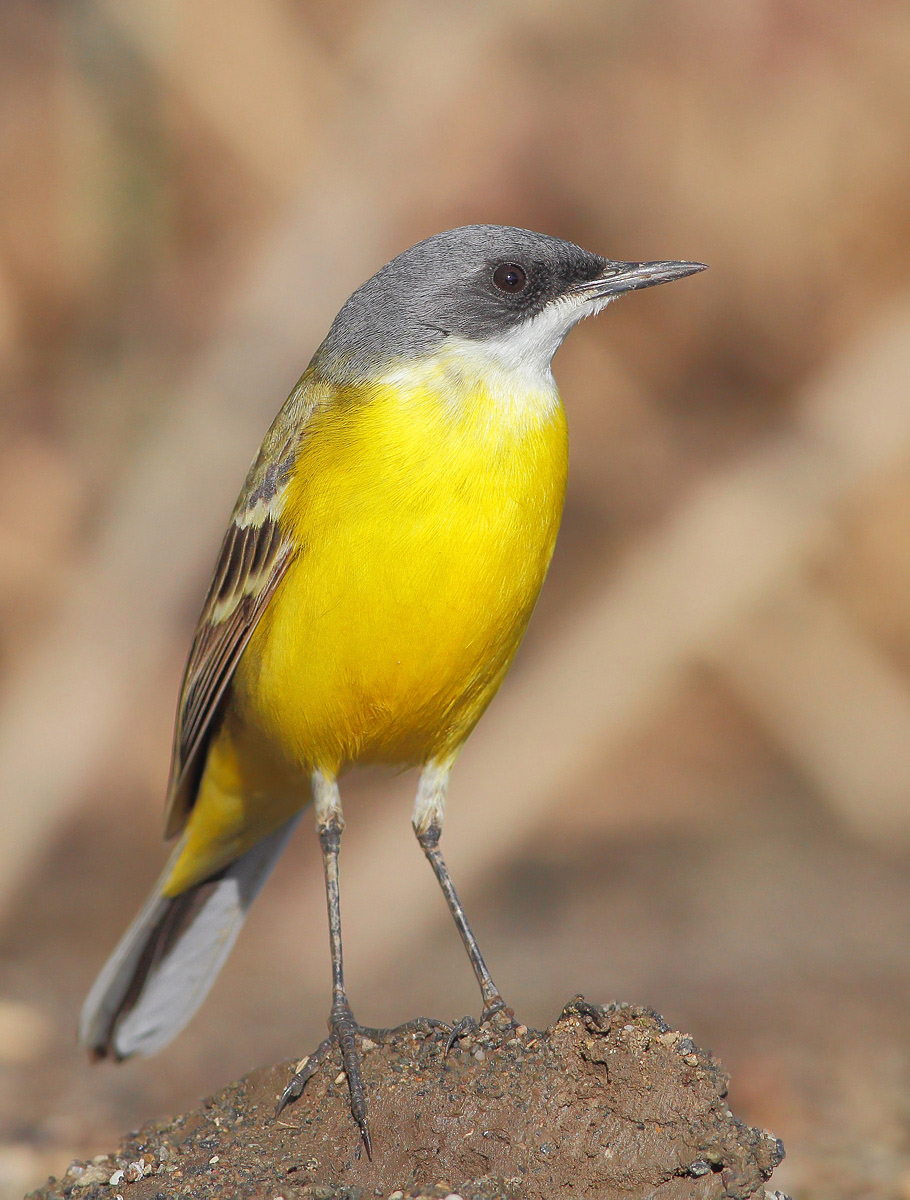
[{"x": 619, "y": 277}]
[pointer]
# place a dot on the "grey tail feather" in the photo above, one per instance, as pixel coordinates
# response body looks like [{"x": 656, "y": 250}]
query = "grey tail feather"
[{"x": 167, "y": 960}]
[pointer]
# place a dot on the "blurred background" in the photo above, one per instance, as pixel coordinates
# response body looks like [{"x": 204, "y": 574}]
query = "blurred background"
[{"x": 692, "y": 791}]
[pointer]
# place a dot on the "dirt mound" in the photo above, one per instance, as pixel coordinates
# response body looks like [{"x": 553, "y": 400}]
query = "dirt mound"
[{"x": 606, "y": 1103}]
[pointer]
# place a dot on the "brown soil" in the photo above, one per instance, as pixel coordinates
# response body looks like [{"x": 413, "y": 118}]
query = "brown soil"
[{"x": 606, "y": 1103}]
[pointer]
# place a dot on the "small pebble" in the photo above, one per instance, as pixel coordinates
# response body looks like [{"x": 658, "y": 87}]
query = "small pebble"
[
  {"x": 134, "y": 1171},
  {"x": 88, "y": 1176},
  {"x": 213, "y": 1160}
]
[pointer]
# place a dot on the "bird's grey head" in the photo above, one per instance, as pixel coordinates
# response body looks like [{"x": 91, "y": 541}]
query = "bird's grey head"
[{"x": 480, "y": 284}]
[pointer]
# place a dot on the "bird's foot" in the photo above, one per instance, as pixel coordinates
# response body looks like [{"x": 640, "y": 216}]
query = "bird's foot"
[
  {"x": 584, "y": 1009},
  {"x": 344, "y": 1034},
  {"x": 306, "y": 1069},
  {"x": 497, "y": 1015},
  {"x": 466, "y": 1027},
  {"x": 426, "y": 1025}
]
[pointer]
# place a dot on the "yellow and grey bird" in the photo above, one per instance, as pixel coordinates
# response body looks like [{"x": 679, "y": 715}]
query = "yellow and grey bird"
[{"x": 378, "y": 574}]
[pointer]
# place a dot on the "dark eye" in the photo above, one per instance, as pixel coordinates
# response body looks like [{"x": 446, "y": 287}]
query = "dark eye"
[{"x": 510, "y": 277}]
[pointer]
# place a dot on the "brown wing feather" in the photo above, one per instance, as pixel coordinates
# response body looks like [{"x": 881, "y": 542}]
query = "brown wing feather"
[{"x": 254, "y": 556}]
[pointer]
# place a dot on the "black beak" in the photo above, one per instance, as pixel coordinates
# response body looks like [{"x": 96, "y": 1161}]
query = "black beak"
[{"x": 619, "y": 277}]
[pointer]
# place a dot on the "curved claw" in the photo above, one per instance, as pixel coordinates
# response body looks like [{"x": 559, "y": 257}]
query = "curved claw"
[
  {"x": 459, "y": 1029},
  {"x": 498, "y": 1008},
  {"x": 304, "y": 1074}
]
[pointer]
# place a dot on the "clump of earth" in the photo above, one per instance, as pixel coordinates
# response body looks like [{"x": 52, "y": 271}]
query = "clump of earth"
[{"x": 607, "y": 1103}]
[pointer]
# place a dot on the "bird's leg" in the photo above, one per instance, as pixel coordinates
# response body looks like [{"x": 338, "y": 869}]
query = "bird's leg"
[
  {"x": 428, "y": 812},
  {"x": 344, "y": 1028}
]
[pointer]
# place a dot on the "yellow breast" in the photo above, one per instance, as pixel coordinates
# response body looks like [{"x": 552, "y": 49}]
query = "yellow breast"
[{"x": 426, "y": 509}]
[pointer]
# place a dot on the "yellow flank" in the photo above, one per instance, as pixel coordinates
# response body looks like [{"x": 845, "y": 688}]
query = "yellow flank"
[{"x": 425, "y": 509}]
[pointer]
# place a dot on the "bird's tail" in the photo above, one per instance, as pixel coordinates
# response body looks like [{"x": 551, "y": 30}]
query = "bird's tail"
[{"x": 167, "y": 960}]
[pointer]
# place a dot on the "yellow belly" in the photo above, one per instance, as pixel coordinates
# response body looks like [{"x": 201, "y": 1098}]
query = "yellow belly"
[
  {"x": 425, "y": 518},
  {"x": 426, "y": 531}
]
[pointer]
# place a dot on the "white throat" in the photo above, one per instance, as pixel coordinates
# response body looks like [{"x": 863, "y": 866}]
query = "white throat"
[
  {"x": 514, "y": 366},
  {"x": 526, "y": 352}
]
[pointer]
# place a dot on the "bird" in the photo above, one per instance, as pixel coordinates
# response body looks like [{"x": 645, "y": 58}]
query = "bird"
[{"x": 377, "y": 576}]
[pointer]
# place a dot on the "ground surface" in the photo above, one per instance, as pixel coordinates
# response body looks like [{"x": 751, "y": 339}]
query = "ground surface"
[
  {"x": 761, "y": 928},
  {"x": 606, "y": 1102}
]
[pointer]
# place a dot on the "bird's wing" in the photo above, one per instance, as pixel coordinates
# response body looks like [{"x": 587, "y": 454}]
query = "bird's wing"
[{"x": 257, "y": 550}]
